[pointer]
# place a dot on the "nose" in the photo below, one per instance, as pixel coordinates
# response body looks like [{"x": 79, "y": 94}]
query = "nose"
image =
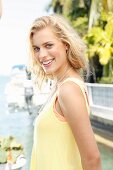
[{"x": 42, "y": 54}]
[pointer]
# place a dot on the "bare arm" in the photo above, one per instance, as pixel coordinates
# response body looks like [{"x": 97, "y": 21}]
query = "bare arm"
[{"x": 73, "y": 106}]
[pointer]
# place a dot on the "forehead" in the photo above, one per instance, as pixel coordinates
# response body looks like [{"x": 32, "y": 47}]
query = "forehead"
[{"x": 44, "y": 35}]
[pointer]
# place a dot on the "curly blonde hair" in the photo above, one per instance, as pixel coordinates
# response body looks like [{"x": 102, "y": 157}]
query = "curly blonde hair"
[{"x": 65, "y": 32}]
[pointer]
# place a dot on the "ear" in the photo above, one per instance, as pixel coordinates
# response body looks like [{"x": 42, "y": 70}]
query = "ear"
[{"x": 66, "y": 46}]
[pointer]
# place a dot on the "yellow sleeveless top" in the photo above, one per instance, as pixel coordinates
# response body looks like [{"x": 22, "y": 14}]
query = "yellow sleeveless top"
[{"x": 54, "y": 146}]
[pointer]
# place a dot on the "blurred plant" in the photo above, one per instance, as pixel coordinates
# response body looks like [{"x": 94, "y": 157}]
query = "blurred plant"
[
  {"x": 10, "y": 149},
  {"x": 99, "y": 40},
  {"x": 93, "y": 20},
  {"x": 106, "y": 80},
  {"x": 76, "y": 11}
]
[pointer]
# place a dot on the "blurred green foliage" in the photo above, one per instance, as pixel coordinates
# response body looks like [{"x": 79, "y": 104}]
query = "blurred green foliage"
[
  {"x": 99, "y": 40},
  {"x": 9, "y": 145},
  {"x": 93, "y": 20}
]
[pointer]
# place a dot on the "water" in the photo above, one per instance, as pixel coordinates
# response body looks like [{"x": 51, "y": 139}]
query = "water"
[
  {"x": 107, "y": 157},
  {"x": 20, "y": 125},
  {"x": 17, "y": 124}
]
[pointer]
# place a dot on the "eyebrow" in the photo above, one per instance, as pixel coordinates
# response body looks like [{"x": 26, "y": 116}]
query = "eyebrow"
[
  {"x": 34, "y": 45},
  {"x": 43, "y": 43}
]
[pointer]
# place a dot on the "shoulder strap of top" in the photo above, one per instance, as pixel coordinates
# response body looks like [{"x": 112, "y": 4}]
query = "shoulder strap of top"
[
  {"x": 76, "y": 80},
  {"x": 83, "y": 88}
]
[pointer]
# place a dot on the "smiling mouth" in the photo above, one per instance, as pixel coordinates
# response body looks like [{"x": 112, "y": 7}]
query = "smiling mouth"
[{"x": 47, "y": 63}]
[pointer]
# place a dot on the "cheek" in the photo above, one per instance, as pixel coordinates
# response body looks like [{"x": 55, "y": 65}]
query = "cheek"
[
  {"x": 58, "y": 52},
  {"x": 54, "y": 53}
]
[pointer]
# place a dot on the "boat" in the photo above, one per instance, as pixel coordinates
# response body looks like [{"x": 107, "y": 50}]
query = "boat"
[
  {"x": 15, "y": 89},
  {"x": 21, "y": 93},
  {"x": 18, "y": 165}
]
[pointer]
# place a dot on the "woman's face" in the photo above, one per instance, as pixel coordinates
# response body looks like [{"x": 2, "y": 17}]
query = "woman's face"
[{"x": 49, "y": 51}]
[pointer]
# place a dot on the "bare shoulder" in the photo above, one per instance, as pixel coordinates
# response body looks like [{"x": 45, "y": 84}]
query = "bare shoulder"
[
  {"x": 71, "y": 99},
  {"x": 68, "y": 89}
]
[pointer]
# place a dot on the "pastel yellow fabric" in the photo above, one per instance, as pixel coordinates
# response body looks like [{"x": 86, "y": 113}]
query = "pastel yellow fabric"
[{"x": 54, "y": 146}]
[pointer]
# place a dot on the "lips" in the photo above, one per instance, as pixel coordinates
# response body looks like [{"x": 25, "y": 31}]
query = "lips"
[{"x": 47, "y": 63}]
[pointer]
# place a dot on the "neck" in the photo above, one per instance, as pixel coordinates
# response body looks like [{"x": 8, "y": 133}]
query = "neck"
[
  {"x": 64, "y": 74},
  {"x": 61, "y": 77}
]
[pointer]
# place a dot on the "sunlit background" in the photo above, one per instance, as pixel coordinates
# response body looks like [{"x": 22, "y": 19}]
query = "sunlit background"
[
  {"x": 15, "y": 117},
  {"x": 17, "y": 15},
  {"x": 14, "y": 27}
]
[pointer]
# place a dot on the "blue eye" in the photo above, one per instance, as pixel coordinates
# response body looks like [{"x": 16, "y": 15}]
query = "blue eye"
[
  {"x": 49, "y": 45},
  {"x": 36, "y": 49}
]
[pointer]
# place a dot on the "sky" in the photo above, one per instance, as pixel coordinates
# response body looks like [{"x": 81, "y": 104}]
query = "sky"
[{"x": 15, "y": 23}]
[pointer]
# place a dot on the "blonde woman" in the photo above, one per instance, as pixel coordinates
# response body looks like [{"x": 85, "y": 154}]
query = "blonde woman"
[{"x": 63, "y": 136}]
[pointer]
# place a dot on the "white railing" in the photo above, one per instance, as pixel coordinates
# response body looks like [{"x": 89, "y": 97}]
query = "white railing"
[{"x": 101, "y": 100}]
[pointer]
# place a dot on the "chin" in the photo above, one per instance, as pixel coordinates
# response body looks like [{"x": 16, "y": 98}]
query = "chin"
[{"x": 48, "y": 72}]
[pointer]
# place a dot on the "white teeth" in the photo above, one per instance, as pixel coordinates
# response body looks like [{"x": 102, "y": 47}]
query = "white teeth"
[{"x": 47, "y": 62}]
